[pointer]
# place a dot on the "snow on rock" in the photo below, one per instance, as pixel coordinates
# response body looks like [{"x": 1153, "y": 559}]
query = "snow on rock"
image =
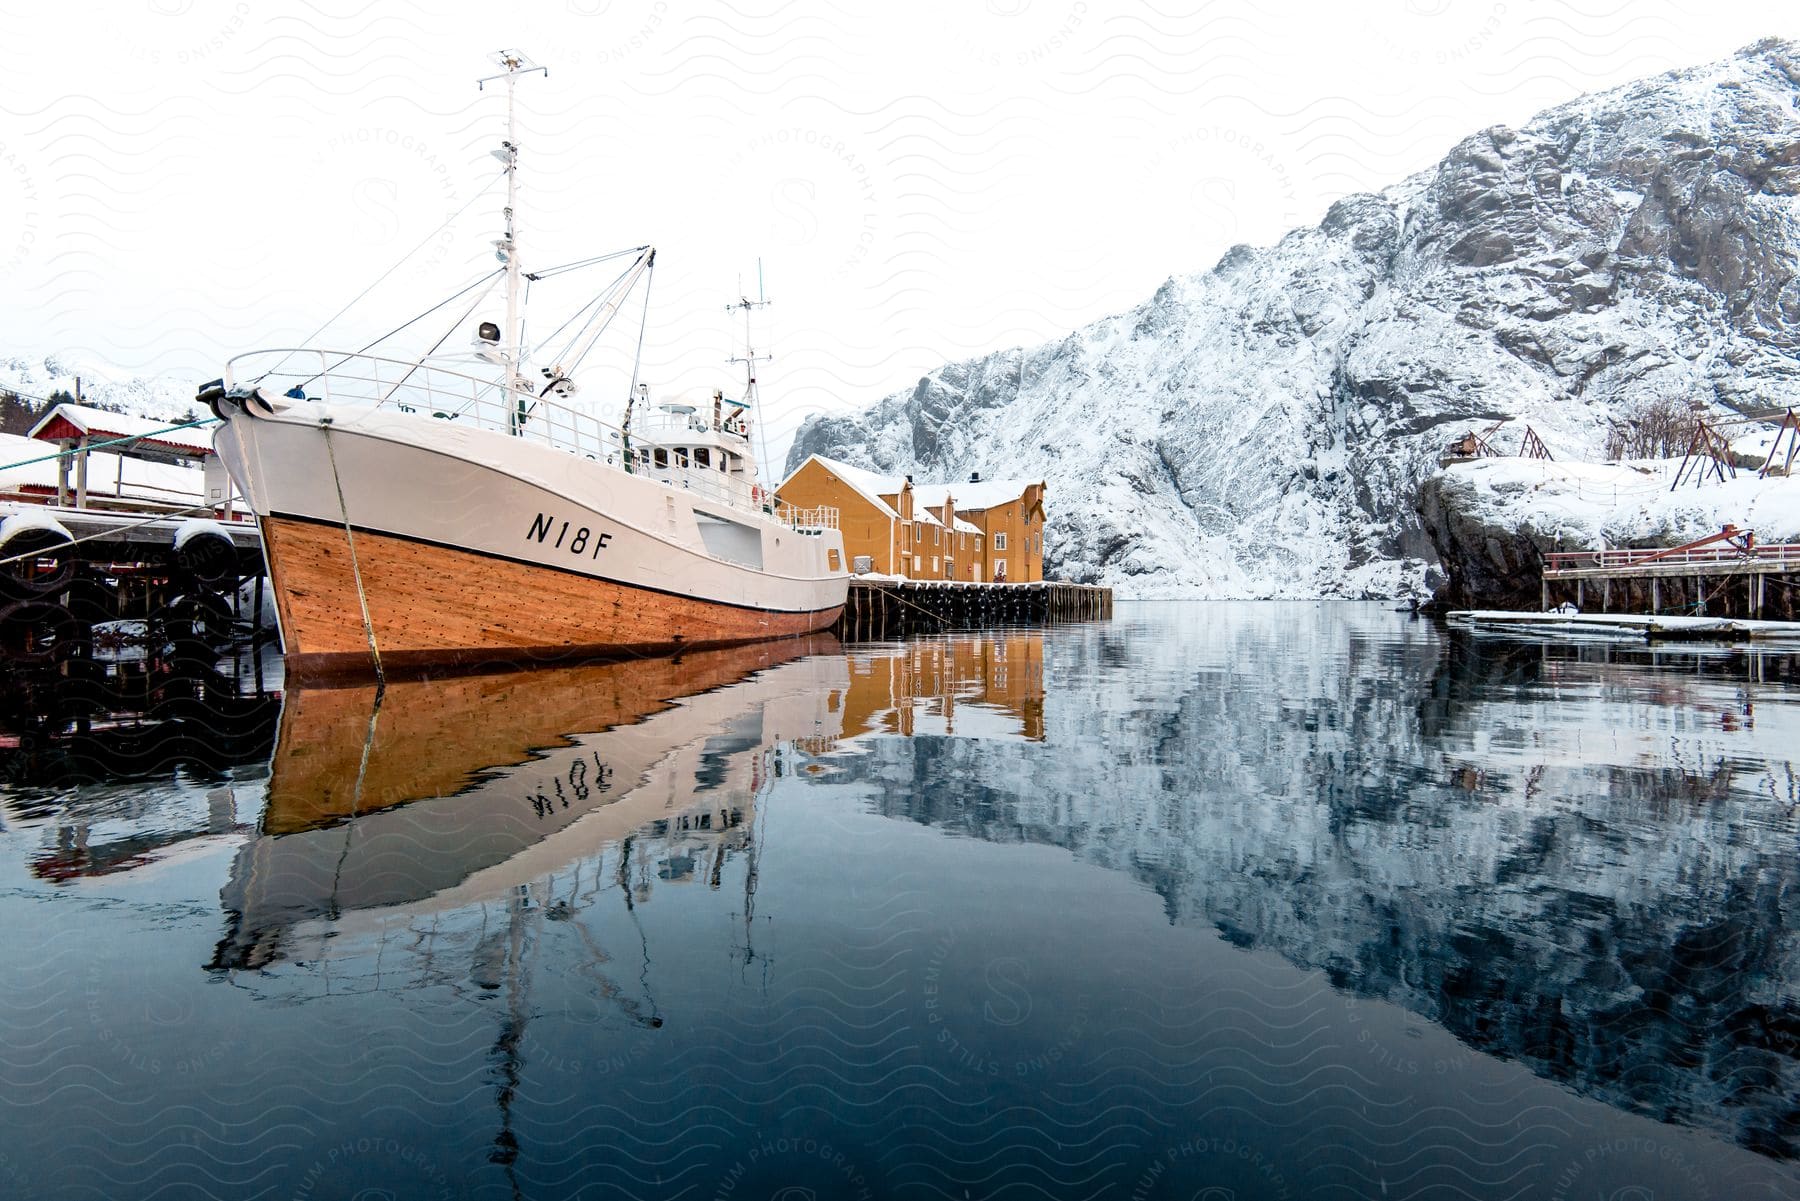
[
  {"x": 161, "y": 399},
  {"x": 1261, "y": 429},
  {"x": 1492, "y": 519}
]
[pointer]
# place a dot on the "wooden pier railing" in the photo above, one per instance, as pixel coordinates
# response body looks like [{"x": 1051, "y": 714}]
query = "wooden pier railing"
[
  {"x": 891, "y": 608},
  {"x": 1641, "y": 564},
  {"x": 1685, "y": 580}
]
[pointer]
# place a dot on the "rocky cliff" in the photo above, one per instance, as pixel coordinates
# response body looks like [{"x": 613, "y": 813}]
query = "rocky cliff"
[{"x": 1261, "y": 429}]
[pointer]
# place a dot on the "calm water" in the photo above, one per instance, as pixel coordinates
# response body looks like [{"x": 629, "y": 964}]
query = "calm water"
[{"x": 1215, "y": 901}]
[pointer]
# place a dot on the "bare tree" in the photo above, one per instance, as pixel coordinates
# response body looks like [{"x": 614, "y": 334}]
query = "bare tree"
[{"x": 1657, "y": 428}]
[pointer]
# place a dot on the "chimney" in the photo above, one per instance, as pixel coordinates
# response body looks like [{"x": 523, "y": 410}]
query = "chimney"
[
  {"x": 974, "y": 477},
  {"x": 909, "y": 477}
]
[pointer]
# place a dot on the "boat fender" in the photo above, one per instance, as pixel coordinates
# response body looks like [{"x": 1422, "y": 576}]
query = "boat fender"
[
  {"x": 23, "y": 533},
  {"x": 205, "y": 551}
]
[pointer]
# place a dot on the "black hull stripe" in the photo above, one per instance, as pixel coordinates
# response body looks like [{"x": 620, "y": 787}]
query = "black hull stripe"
[{"x": 489, "y": 554}]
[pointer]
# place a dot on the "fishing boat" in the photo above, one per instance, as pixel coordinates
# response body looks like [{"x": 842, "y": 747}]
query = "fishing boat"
[{"x": 459, "y": 508}]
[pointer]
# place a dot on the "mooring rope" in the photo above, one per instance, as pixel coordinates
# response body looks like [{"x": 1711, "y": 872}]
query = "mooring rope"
[{"x": 362, "y": 597}]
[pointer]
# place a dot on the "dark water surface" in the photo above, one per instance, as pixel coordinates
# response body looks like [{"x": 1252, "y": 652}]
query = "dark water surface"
[{"x": 1213, "y": 901}]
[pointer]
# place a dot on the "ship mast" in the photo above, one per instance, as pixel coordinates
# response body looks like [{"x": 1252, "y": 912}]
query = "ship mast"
[
  {"x": 507, "y": 248},
  {"x": 750, "y": 359}
]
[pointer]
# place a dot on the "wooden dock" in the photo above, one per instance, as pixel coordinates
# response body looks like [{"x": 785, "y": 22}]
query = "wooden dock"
[
  {"x": 1701, "y": 581},
  {"x": 1635, "y": 626},
  {"x": 893, "y": 608}
]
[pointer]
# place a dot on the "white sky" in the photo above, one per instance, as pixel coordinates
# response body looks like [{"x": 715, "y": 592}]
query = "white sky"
[{"x": 182, "y": 180}]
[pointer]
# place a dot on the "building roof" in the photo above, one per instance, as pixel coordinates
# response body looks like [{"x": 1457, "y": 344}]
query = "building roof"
[
  {"x": 987, "y": 494},
  {"x": 956, "y": 523},
  {"x": 108, "y": 474},
  {"x": 77, "y": 421},
  {"x": 863, "y": 482},
  {"x": 872, "y": 486}
]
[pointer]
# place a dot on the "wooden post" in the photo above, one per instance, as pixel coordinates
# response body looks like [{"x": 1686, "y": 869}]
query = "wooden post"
[
  {"x": 1655, "y": 595},
  {"x": 81, "y": 473}
]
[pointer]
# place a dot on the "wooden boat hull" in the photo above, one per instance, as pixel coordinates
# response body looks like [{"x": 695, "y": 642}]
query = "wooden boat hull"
[
  {"x": 431, "y": 605},
  {"x": 401, "y": 541}
]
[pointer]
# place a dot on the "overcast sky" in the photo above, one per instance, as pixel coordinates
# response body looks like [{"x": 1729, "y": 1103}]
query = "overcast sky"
[{"x": 182, "y": 180}]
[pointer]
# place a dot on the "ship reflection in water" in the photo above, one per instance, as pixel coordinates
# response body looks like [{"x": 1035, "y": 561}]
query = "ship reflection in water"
[{"x": 1274, "y": 900}]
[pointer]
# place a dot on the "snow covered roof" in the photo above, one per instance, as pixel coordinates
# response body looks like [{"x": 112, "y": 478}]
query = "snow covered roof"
[
  {"x": 872, "y": 486},
  {"x": 74, "y": 421},
  {"x": 987, "y": 494},
  {"x": 109, "y": 475},
  {"x": 956, "y": 523},
  {"x": 863, "y": 482}
]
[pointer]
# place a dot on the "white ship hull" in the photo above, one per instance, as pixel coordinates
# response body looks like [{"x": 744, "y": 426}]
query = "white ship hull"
[{"x": 396, "y": 538}]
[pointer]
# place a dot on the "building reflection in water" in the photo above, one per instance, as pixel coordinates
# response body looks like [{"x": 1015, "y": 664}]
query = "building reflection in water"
[{"x": 973, "y": 686}]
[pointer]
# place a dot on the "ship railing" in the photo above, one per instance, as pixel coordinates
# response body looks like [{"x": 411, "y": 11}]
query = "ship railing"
[
  {"x": 824, "y": 517},
  {"x": 434, "y": 391}
]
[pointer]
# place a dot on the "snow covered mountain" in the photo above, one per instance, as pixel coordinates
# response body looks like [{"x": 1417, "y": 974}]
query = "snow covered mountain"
[
  {"x": 1261, "y": 429},
  {"x": 155, "y": 397}
]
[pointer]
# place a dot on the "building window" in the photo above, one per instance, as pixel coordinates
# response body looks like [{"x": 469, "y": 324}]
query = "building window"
[
  {"x": 999, "y": 570},
  {"x": 935, "y": 533},
  {"x": 934, "y": 565},
  {"x": 950, "y": 569},
  {"x": 999, "y": 541},
  {"x": 918, "y": 531}
]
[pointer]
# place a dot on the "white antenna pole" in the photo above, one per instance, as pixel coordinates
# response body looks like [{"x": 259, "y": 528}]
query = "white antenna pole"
[
  {"x": 750, "y": 359},
  {"x": 507, "y": 248},
  {"x": 511, "y": 237}
]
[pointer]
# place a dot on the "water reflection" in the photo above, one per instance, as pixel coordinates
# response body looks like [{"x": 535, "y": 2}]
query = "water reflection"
[
  {"x": 433, "y": 794},
  {"x": 1484, "y": 910}
]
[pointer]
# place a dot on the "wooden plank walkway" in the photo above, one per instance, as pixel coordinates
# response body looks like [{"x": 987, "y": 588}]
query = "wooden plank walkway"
[
  {"x": 892, "y": 608},
  {"x": 1628, "y": 625}
]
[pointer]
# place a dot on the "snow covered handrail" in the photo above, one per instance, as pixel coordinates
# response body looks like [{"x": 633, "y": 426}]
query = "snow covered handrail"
[{"x": 1774, "y": 556}]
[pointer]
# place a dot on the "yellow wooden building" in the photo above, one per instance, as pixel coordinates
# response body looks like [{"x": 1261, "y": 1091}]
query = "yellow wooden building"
[
  {"x": 1007, "y": 520},
  {"x": 893, "y": 527}
]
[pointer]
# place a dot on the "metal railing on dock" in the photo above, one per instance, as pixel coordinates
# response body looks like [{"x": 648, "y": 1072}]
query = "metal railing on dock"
[{"x": 890, "y": 608}]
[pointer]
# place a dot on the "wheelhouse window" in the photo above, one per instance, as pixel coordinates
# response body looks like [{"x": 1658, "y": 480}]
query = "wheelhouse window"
[
  {"x": 662, "y": 457},
  {"x": 681, "y": 456},
  {"x": 702, "y": 457}
]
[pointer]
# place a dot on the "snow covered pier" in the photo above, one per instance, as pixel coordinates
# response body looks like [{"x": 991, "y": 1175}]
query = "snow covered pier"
[
  {"x": 887, "y": 608},
  {"x": 1635, "y": 626},
  {"x": 1694, "y": 580}
]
